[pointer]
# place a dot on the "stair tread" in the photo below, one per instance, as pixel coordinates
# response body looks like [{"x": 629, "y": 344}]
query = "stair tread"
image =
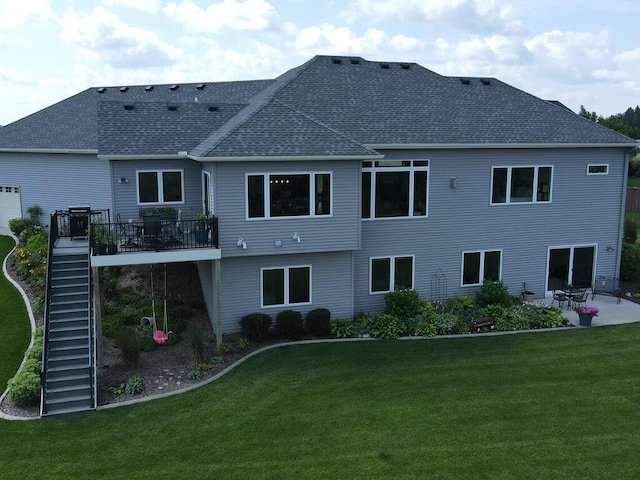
[
  {"x": 77, "y": 356},
  {"x": 74, "y": 388},
  {"x": 65, "y": 368},
  {"x": 59, "y": 411},
  {"x": 79, "y": 336},
  {"x": 75, "y": 398},
  {"x": 72, "y": 376}
]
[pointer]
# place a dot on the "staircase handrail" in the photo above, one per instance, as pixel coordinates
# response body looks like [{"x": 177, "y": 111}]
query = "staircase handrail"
[
  {"x": 53, "y": 236},
  {"x": 93, "y": 352}
]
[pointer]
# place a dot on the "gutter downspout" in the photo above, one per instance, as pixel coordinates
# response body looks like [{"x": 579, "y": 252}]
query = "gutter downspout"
[{"x": 623, "y": 201}]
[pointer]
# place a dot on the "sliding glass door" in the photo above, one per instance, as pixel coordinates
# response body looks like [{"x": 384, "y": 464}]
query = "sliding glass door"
[{"x": 571, "y": 265}]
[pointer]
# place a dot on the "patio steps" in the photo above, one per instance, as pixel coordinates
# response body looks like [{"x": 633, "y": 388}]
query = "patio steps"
[{"x": 68, "y": 373}]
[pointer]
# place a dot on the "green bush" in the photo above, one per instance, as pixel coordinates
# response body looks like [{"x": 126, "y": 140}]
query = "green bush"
[
  {"x": 630, "y": 230},
  {"x": 513, "y": 320},
  {"x": 145, "y": 339},
  {"x": 255, "y": 326},
  {"x": 318, "y": 322},
  {"x": 630, "y": 262},
  {"x": 18, "y": 225},
  {"x": 445, "y": 323},
  {"x": 461, "y": 302},
  {"x": 198, "y": 345},
  {"x": 403, "y": 303},
  {"x": 24, "y": 388},
  {"x": 33, "y": 365},
  {"x": 226, "y": 348},
  {"x": 360, "y": 328},
  {"x": 289, "y": 324},
  {"x": 386, "y": 326},
  {"x": 341, "y": 328},
  {"x": 493, "y": 293},
  {"x": 425, "y": 328},
  {"x": 491, "y": 312},
  {"x": 129, "y": 347},
  {"x": 134, "y": 385}
]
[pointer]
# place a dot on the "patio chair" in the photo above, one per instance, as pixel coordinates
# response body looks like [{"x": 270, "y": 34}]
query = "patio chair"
[
  {"x": 152, "y": 232},
  {"x": 129, "y": 234},
  {"x": 560, "y": 297},
  {"x": 172, "y": 231},
  {"x": 580, "y": 298}
]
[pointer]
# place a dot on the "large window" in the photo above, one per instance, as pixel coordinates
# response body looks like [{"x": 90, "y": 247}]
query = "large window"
[
  {"x": 288, "y": 195},
  {"x": 160, "y": 186},
  {"x": 521, "y": 185},
  {"x": 394, "y": 188},
  {"x": 389, "y": 273},
  {"x": 286, "y": 286},
  {"x": 480, "y": 266}
]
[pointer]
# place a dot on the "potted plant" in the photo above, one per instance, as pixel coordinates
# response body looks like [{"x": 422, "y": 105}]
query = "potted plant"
[
  {"x": 527, "y": 296},
  {"x": 586, "y": 314},
  {"x": 203, "y": 226},
  {"x": 168, "y": 213},
  {"x": 111, "y": 245}
]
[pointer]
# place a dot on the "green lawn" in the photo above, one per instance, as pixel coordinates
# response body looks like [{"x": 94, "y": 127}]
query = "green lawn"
[
  {"x": 15, "y": 331},
  {"x": 563, "y": 404},
  {"x": 633, "y": 182}
]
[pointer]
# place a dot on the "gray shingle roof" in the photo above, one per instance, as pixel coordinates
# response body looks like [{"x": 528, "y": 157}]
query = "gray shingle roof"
[
  {"x": 154, "y": 128},
  {"x": 327, "y": 106},
  {"x": 73, "y": 122}
]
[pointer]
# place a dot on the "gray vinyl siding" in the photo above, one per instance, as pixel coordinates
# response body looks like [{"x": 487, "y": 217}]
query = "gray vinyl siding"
[
  {"x": 56, "y": 181},
  {"x": 126, "y": 195},
  {"x": 340, "y": 231},
  {"x": 584, "y": 210},
  {"x": 331, "y": 285}
]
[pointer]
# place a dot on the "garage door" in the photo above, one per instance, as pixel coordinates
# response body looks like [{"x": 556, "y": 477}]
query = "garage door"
[{"x": 9, "y": 204}]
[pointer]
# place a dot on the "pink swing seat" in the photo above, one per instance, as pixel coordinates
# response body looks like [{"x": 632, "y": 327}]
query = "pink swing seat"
[{"x": 160, "y": 337}]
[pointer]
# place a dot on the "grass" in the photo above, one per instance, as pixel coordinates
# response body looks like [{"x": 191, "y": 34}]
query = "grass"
[
  {"x": 15, "y": 331},
  {"x": 632, "y": 215},
  {"x": 562, "y": 404},
  {"x": 633, "y": 182}
]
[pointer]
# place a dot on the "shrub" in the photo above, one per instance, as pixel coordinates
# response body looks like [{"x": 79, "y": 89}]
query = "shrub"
[
  {"x": 341, "y": 328},
  {"x": 493, "y": 293},
  {"x": 33, "y": 365},
  {"x": 630, "y": 262},
  {"x": 461, "y": 302},
  {"x": 403, "y": 303},
  {"x": 193, "y": 374},
  {"x": 513, "y": 320},
  {"x": 445, "y": 322},
  {"x": 134, "y": 385},
  {"x": 491, "y": 312},
  {"x": 226, "y": 348},
  {"x": 425, "y": 328},
  {"x": 318, "y": 322},
  {"x": 198, "y": 346},
  {"x": 24, "y": 388},
  {"x": 386, "y": 326},
  {"x": 255, "y": 326},
  {"x": 129, "y": 347},
  {"x": 630, "y": 230},
  {"x": 289, "y": 324},
  {"x": 145, "y": 339},
  {"x": 243, "y": 343},
  {"x": 360, "y": 328},
  {"x": 18, "y": 225}
]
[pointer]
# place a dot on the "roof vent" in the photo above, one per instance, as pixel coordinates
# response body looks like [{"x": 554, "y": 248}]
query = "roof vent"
[
  {"x": 465, "y": 81},
  {"x": 212, "y": 108},
  {"x": 405, "y": 66},
  {"x": 172, "y": 107},
  {"x": 200, "y": 86},
  {"x": 355, "y": 61},
  {"x": 148, "y": 88},
  {"x": 336, "y": 61},
  {"x": 128, "y": 106},
  {"x": 485, "y": 81},
  {"x": 123, "y": 89},
  {"x": 384, "y": 65},
  {"x": 101, "y": 90},
  {"x": 174, "y": 87}
]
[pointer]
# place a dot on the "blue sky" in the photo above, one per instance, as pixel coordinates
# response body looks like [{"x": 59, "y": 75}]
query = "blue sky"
[{"x": 580, "y": 52}]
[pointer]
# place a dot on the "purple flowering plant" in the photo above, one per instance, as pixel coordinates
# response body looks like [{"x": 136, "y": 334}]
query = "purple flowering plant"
[{"x": 593, "y": 311}]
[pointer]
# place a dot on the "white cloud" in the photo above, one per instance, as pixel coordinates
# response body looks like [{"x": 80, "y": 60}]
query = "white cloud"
[
  {"x": 329, "y": 39},
  {"x": 492, "y": 50},
  {"x": 14, "y": 14},
  {"x": 251, "y": 15},
  {"x": 102, "y": 37},
  {"x": 152, "y": 6},
  {"x": 476, "y": 16}
]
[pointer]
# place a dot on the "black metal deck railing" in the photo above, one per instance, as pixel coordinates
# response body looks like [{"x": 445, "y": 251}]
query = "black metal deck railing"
[{"x": 153, "y": 234}]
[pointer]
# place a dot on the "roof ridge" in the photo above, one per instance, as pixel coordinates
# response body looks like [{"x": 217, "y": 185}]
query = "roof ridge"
[{"x": 257, "y": 103}]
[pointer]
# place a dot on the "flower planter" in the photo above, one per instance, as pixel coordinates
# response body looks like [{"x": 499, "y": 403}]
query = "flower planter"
[
  {"x": 585, "y": 319},
  {"x": 528, "y": 296},
  {"x": 202, "y": 236}
]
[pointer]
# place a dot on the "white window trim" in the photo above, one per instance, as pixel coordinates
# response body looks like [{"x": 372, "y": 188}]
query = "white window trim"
[
  {"x": 510, "y": 168},
  {"x": 392, "y": 271},
  {"x": 267, "y": 195},
  {"x": 412, "y": 169},
  {"x": 482, "y": 257},
  {"x": 159, "y": 173},
  {"x": 606, "y": 165},
  {"x": 286, "y": 303}
]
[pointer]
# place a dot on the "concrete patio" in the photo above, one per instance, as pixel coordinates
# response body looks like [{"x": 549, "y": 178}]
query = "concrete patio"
[{"x": 611, "y": 312}]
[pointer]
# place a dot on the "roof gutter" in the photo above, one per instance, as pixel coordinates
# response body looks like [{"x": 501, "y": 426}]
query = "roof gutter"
[
  {"x": 283, "y": 158},
  {"x": 50, "y": 150},
  {"x": 475, "y": 146},
  {"x": 172, "y": 156}
]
